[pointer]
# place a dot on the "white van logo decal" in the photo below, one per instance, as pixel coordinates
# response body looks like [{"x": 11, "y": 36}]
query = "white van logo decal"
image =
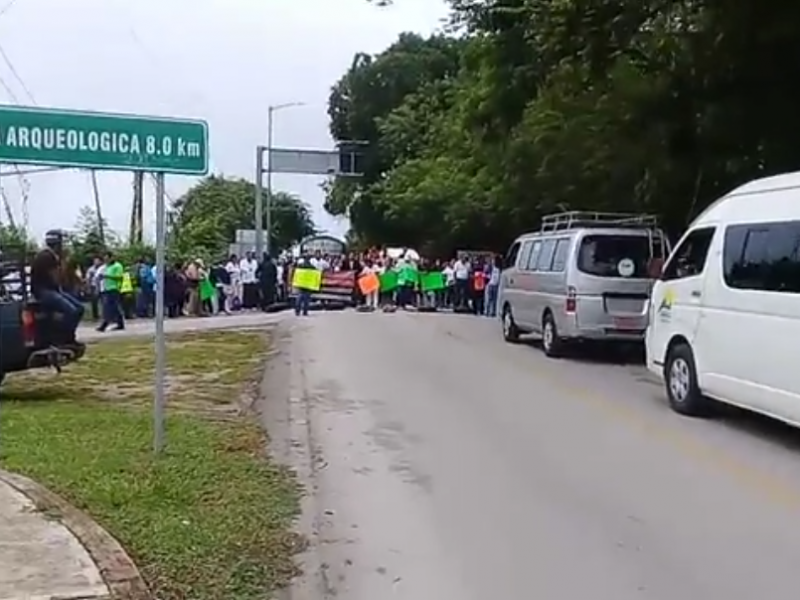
[{"x": 665, "y": 306}]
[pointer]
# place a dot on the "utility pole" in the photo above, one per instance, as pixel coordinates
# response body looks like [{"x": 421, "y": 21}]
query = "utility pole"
[
  {"x": 136, "y": 231},
  {"x": 101, "y": 227},
  {"x": 7, "y": 206}
]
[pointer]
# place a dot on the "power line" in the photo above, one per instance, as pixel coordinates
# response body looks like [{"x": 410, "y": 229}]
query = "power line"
[
  {"x": 24, "y": 184},
  {"x": 7, "y": 7},
  {"x": 16, "y": 74},
  {"x": 23, "y": 181},
  {"x": 8, "y": 90},
  {"x": 195, "y": 95}
]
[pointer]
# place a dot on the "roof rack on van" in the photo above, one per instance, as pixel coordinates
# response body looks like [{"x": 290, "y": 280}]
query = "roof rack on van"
[{"x": 576, "y": 218}]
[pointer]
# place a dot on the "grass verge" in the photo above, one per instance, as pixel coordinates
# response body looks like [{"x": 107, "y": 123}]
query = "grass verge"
[{"x": 209, "y": 519}]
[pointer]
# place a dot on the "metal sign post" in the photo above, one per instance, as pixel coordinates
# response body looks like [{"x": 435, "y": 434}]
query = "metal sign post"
[
  {"x": 159, "y": 399},
  {"x": 345, "y": 161},
  {"x": 260, "y": 203}
]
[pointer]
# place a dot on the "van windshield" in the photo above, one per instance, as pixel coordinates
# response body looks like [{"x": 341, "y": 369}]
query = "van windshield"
[{"x": 615, "y": 256}]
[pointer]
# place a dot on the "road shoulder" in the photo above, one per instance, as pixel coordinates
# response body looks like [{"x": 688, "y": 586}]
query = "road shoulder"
[{"x": 285, "y": 412}]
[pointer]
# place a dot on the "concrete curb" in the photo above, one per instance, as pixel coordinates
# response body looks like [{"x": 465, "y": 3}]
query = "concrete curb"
[
  {"x": 116, "y": 568},
  {"x": 288, "y": 420}
]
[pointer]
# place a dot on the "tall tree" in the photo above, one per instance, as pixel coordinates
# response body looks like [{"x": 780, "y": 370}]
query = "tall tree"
[
  {"x": 205, "y": 219},
  {"x": 14, "y": 243},
  {"x": 636, "y": 105},
  {"x": 90, "y": 237}
]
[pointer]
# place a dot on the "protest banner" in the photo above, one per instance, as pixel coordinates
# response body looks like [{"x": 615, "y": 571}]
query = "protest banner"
[{"x": 307, "y": 279}]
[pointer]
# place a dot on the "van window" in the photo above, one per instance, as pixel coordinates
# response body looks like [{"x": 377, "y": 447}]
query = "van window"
[
  {"x": 605, "y": 255},
  {"x": 546, "y": 255},
  {"x": 763, "y": 257},
  {"x": 537, "y": 247},
  {"x": 511, "y": 256},
  {"x": 524, "y": 254},
  {"x": 560, "y": 255},
  {"x": 689, "y": 259}
]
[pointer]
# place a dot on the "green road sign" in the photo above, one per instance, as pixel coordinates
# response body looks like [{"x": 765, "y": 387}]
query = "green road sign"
[{"x": 66, "y": 138}]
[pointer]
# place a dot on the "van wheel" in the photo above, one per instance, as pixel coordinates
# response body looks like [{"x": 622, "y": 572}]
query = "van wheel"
[
  {"x": 680, "y": 376},
  {"x": 510, "y": 330},
  {"x": 552, "y": 344}
]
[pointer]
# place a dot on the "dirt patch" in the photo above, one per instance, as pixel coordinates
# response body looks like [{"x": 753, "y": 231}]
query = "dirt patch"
[{"x": 208, "y": 373}]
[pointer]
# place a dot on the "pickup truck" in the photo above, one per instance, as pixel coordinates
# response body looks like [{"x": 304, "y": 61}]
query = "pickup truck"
[{"x": 29, "y": 339}]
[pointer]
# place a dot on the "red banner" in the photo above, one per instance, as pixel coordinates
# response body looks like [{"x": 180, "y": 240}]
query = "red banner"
[{"x": 337, "y": 286}]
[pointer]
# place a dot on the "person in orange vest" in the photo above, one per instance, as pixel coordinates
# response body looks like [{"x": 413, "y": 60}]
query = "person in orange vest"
[{"x": 478, "y": 289}]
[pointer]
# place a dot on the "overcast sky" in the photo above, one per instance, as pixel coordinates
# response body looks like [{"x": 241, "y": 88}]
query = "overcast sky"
[{"x": 223, "y": 61}]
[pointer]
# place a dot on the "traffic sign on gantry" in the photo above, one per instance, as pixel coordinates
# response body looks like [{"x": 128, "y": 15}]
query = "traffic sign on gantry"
[{"x": 95, "y": 140}]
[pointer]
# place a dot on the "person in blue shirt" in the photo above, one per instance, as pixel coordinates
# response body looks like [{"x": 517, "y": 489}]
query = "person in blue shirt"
[{"x": 145, "y": 298}]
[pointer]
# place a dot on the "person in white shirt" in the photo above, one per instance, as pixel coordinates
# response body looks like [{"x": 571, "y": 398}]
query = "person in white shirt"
[
  {"x": 233, "y": 292},
  {"x": 461, "y": 270},
  {"x": 281, "y": 270},
  {"x": 450, "y": 284},
  {"x": 248, "y": 267},
  {"x": 320, "y": 263}
]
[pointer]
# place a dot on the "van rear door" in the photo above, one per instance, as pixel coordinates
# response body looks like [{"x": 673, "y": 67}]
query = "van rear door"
[{"x": 613, "y": 282}]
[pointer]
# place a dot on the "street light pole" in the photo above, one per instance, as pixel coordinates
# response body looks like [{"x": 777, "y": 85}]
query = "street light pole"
[
  {"x": 270, "y": 121},
  {"x": 259, "y": 174}
]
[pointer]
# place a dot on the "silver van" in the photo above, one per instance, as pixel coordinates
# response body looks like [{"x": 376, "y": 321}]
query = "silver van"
[{"x": 583, "y": 276}]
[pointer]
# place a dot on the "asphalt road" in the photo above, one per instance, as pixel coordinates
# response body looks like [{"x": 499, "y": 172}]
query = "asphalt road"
[{"x": 452, "y": 466}]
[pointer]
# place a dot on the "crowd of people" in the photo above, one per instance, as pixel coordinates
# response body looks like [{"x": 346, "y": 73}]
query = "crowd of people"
[
  {"x": 470, "y": 281},
  {"x": 113, "y": 292},
  {"x": 116, "y": 292}
]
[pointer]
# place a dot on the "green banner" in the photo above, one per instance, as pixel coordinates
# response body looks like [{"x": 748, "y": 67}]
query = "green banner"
[
  {"x": 408, "y": 275},
  {"x": 207, "y": 290},
  {"x": 432, "y": 282},
  {"x": 388, "y": 281}
]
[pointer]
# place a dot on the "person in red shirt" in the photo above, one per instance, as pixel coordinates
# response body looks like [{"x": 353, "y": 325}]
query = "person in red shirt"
[{"x": 478, "y": 289}]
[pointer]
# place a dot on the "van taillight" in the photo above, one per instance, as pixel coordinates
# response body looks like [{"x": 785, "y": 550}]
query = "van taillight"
[
  {"x": 572, "y": 300},
  {"x": 28, "y": 328}
]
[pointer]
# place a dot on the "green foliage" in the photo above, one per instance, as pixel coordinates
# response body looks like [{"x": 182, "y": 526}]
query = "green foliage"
[
  {"x": 205, "y": 219},
  {"x": 535, "y": 106},
  {"x": 87, "y": 242},
  {"x": 15, "y": 243}
]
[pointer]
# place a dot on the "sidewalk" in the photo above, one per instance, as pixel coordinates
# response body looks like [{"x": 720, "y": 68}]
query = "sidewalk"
[{"x": 40, "y": 559}]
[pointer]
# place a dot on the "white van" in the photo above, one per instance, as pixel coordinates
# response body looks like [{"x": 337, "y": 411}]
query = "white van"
[{"x": 725, "y": 315}]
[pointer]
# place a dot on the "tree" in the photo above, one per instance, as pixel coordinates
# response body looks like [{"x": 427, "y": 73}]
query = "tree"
[
  {"x": 370, "y": 90},
  {"x": 15, "y": 243},
  {"x": 533, "y": 106},
  {"x": 205, "y": 219},
  {"x": 85, "y": 242}
]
